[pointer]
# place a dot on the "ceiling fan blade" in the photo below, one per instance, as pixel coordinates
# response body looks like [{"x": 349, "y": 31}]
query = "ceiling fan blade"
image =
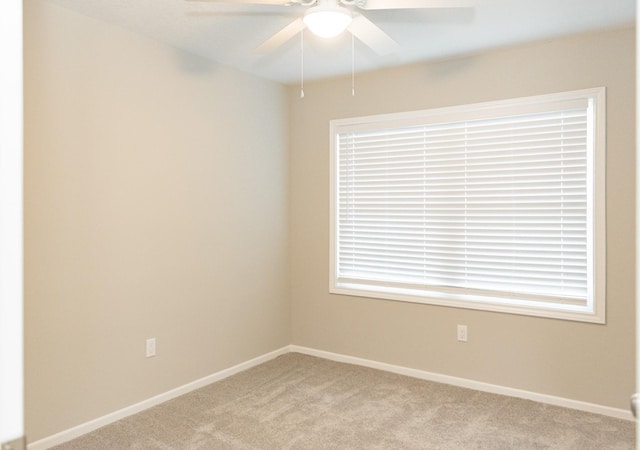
[
  {"x": 416, "y": 4},
  {"x": 281, "y": 37},
  {"x": 372, "y": 36},
  {"x": 254, "y": 2},
  {"x": 205, "y": 14}
]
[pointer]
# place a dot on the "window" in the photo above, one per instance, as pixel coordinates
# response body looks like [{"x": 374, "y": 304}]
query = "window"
[{"x": 496, "y": 206}]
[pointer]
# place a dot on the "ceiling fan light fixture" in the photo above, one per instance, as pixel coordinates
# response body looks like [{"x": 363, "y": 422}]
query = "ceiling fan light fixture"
[{"x": 327, "y": 19}]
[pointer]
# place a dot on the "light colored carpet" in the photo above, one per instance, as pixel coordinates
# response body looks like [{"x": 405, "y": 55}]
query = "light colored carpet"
[{"x": 302, "y": 402}]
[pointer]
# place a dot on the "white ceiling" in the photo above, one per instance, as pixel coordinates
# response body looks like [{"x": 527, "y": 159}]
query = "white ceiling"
[{"x": 228, "y": 33}]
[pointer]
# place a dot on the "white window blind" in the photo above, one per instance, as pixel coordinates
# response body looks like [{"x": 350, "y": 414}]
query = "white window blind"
[{"x": 488, "y": 206}]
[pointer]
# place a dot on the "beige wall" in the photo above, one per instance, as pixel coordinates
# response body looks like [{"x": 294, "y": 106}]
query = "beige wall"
[
  {"x": 156, "y": 206},
  {"x": 587, "y": 362}
]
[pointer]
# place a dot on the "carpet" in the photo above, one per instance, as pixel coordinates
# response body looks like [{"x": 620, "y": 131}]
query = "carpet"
[{"x": 302, "y": 402}]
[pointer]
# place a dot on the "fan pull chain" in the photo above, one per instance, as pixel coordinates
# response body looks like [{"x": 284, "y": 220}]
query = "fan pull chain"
[
  {"x": 302, "y": 63},
  {"x": 353, "y": 65}
]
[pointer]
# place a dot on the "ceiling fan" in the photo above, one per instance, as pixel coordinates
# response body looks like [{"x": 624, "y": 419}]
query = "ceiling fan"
[{"x": 329, "y": 18}]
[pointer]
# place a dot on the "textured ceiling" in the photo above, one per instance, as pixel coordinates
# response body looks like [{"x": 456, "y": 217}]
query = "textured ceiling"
[{"x": 228, "y": 33}]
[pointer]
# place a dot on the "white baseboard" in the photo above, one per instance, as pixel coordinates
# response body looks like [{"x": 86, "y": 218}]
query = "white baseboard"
[
  {"x": 471, "y": 384},
  {"x": 92, "y": 425}
]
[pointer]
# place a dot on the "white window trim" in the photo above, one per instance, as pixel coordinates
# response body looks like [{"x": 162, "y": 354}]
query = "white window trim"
[{"x": 594, "y": 313}]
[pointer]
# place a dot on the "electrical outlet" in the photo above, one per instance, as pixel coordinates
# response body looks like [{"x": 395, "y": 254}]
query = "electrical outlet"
[
  {"x": 151, "y": 347},
  {"x": 462, "y": 333}
]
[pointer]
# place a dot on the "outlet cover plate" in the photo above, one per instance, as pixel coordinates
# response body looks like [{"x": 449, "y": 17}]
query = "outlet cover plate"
[
  {"x": 151, "y": 347},
  {"x": 462, "y": 333}
]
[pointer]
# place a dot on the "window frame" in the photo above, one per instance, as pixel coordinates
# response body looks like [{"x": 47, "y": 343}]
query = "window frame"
[{"x": 595, "y": 309}]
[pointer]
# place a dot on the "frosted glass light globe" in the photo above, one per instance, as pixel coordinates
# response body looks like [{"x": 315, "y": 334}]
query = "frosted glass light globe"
[{"x": 327, "y": 19}]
